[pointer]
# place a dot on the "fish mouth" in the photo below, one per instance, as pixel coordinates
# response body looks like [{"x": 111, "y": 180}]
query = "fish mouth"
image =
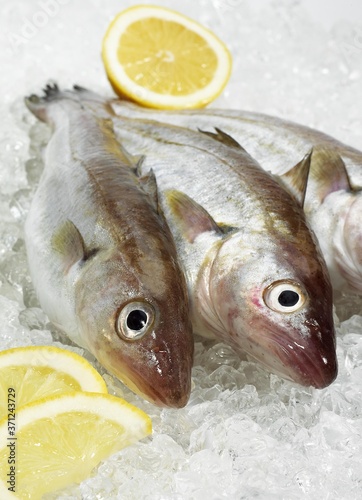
[
  {"x": 172, "y": 395},
  {"x": 307, "y": 365},
  {"x": 154, "y": 378}
]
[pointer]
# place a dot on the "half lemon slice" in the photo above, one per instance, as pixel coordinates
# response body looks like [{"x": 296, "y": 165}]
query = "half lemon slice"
[
  {"x": 162, "y": 59},
  {"x": 58, "y": 440},
  {"x": 34, "y": 372}
]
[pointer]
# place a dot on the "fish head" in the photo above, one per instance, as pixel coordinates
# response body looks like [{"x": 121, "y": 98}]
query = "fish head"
[
  {"x": 138, "y": 326},
  {"x": 337, "y": 223},
  {"x": 335, "y": 208},
  {"x": 347, "y": 240},
  {"x": 276, "y": 305}
]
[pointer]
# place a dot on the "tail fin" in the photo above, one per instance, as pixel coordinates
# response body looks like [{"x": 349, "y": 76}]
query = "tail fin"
[
  {"x": 37, "y": 105},
  {"x": 85, "y": 98}
]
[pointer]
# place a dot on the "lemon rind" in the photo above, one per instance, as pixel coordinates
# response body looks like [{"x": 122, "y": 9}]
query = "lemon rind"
[
  {"x": 128, "y": 87},
  {"x": 115, "y": 409},
  {"x": 84, "y": 402},
  {"x": 59, "y": 359}
]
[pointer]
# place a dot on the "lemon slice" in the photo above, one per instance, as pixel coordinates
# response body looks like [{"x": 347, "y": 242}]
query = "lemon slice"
[
  {"x": 60, "y": 439},
  {"x": 31, "y": 373},
  {"x": 162, "y": 59}
]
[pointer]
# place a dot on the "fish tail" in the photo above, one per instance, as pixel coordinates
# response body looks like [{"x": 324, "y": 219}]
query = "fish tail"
[
  {"x": 84, "y": 98},
  {"x": 43, "y": 106},
  {"x": 38, "y": 104}
]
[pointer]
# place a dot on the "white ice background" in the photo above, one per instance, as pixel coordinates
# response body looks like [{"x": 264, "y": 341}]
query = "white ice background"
[{"x": 245, "y": 434}]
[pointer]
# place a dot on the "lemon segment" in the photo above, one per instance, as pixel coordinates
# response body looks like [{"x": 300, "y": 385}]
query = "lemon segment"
[
  {"x": 59, "y": 441},
  {"x": 162, "y": 59},
  {"x": 31, "y": 373}
]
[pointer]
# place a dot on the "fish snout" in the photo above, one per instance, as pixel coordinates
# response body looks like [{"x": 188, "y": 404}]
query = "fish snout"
[
  {"x": 317, "y": 369},
  {"x": 170, "y": 383},
  {"x": 156, "y": 367},
  {"x": 299, "y": 350},
  {"x": 165, "y": 388},
  {"x": 158, "y": 371},
  {"x": 175, "y": 397},
  {"x": 312, "y": 360}
]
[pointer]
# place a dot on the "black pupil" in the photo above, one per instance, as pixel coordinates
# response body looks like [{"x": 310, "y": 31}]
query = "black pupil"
[
  {"x": 288, "y": 298},
  {"x": 136, "y": 320}
]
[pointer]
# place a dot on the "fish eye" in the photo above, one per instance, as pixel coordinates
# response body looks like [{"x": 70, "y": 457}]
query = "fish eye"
[
  {"x": 134, "y": 320},
  {"x": 284, "y": 296}
]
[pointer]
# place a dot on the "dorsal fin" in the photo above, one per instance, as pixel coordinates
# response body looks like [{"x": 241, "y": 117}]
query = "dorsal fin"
[
  {"x": 138, "y": 160},
  {"x": 223, "y": 137},
  {"x": 193, "y": 219},
  {"x": 149, "y": 185},
  {"x": 296, "y": 179},
  {"x": 135, "y": 161},
  {"x": 329, "y": 172}
]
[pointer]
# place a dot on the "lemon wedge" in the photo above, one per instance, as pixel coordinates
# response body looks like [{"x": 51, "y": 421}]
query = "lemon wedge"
[
  {"x": 162, "y": 59},
  {"x": 59, "y": 440},
  {"x": 34, "y": 372}
]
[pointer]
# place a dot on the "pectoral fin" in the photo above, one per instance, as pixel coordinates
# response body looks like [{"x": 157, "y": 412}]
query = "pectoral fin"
[
  {"x": 296, "y": 179},
  {"x": 68, "y": 242},
  {"x": 192, "y": 217},
  {"x": 329, "y": 172}
]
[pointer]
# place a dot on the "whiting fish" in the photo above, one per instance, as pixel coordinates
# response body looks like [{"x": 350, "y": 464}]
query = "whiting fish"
[
  {"x": 102, "y": 258},
  {"x": 333, "y": 198},
  {"x": 255, "y": 274}
]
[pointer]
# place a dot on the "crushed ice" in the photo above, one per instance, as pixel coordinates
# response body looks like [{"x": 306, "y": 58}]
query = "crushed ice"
[{"x": 245, "y": 433}]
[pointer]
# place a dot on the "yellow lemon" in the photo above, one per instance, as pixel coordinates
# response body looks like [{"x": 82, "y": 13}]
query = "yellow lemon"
[
  {"x": 58, "y": 440},
  {"x": 31, "y": 373},
  {"x": 162, "y": 59}
]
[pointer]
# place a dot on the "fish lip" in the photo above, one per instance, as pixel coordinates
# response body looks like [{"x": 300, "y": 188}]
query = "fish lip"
[
  {"x": 176, "y": 398},
  {"x": 160, "y": 390},
  {"x": 176, "y": 401},
  {"x": 316, "y": 371},
  {"x": 303, "y": 367}
]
